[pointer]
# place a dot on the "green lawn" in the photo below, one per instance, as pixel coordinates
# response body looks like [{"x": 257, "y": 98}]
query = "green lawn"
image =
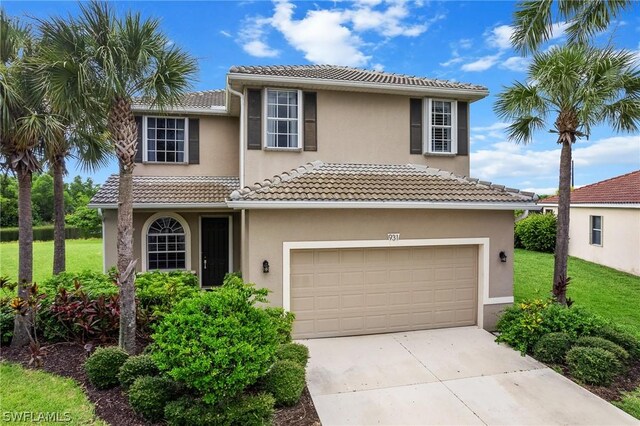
[
  {"x": 81, "y": 255},
  {"x": 604, "y": 291},
  {"x": 42, "y": 395}
]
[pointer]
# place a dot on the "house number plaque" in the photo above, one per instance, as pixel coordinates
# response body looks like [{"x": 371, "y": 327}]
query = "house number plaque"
[{"x": 395, "y": 236}]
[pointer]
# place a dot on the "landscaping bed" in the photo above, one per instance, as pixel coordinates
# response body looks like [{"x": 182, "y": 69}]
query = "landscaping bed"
[{"x": 112, "y": 405}]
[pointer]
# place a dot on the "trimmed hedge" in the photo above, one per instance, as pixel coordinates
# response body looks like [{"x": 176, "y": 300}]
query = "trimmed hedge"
[
  {"x": 537, "y": 232},
  {"x": 594, "y": 366},
  {"x": 285, "y": 381},
  {"x": 136, "y": 366},
  {"x": 45, "y": 233},
  {"x": 247, "y": 410},
  {"x": 552, "y": 347},
  {"x": 148, "y": 396},
  {"x": 622, "y": 338},
  {"x": 607, "y": 345},
  {"x": 295, "y": 352},
  {"x": 103, "y": 365}
]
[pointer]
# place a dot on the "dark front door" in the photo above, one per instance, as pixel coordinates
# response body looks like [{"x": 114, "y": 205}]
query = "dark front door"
[{"x": 215, "y": 250}]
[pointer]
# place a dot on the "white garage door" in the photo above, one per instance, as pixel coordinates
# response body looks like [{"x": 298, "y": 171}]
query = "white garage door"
[{"x": 345, "y": 292}]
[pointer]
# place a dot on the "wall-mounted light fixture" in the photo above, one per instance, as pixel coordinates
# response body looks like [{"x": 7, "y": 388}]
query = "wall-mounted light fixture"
[
  {"x": 265, "y": 267},
  {"x": 503, "y": 257}
]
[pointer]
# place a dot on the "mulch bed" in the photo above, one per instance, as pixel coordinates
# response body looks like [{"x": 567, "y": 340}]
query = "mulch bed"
[
  {"x": 626, "y": 382},
  {"x": 67, "y": 359}
]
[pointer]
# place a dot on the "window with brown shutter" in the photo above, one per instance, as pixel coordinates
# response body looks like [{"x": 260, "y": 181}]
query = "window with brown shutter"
[
  {"x": 254, "y": 119},
  {"x": 415, "y": 121},
  {"x": 310, "y": 121},
  {"x": 140, "y": 147},
  {"x": 463, "y": 128}
]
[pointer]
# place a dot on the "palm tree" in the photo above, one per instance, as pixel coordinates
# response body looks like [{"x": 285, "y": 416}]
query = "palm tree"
[
  {"x": 24, "y": 124},
  {"x": 578, "y": 86},
  {"x": 533, "y": 20},
  {"x": 104, "y": 63}
]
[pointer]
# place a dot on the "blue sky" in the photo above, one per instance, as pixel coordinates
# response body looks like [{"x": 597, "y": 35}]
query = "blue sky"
[{"x": 464, "y": 41}]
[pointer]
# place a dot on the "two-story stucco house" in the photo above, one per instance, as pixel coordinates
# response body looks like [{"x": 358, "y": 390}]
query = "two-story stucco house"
[{"x": 343, "y": 191}]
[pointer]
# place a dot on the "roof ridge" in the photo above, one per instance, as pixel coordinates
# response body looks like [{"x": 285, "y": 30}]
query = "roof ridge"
[
  {"x": 276, "y": 179},
  {"x": 475, "y": 181}
]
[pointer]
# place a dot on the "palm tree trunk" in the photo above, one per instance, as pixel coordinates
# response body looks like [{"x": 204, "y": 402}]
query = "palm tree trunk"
[
  {"x": 124, "y": 132},
  {"x": 562, "y": 226},
  {"x": 25, "y": 252},
  {"x": 58, "y": 216}
]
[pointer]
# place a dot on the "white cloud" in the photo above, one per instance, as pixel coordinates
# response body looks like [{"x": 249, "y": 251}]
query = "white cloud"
[
  {"x": 516, "y": 63},
  {"x": 482, "y": 64},
  {"x": 500, "y": 36},
  {"x": 333, "y": 35},
  {"x": 495, "y": 126},
  {"x": 225, "y": 33},
  {"x": 321, "y": 35},
  {"x": 378, "y": 67},
  {"x": 465, "y": 43},
  {"x": 506, "y": 160},
  {"x": 259, "y": 49},
  {"x": 452, "y": 61}
]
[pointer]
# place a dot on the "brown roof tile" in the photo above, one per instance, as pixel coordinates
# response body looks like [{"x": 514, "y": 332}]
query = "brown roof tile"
[
  {"x": 342, "y": 73},
  {"x": 169, "y": 190},
  {"x": 206, "y": 100},
  {"x": 320, "y": 181},
  {"x": 624, "y": 189}
]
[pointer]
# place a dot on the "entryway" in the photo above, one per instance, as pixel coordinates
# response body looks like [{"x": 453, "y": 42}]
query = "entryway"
[
  {"x": 215, "y": 249},
  {"x": 447, "y": 376}
]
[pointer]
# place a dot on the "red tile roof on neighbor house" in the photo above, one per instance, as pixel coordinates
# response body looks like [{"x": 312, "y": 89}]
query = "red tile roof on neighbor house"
[{"x": 624, "y": 189}]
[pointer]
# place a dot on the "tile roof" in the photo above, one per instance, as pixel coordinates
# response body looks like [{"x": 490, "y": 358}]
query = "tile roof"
[
  {"x": 343, "y": 73},
  {"x": 169, "y": 190},
  {"x": 624, "y": 189},
  {"x": 207, "y": 99},
  {"x": 320, "y": 181}
]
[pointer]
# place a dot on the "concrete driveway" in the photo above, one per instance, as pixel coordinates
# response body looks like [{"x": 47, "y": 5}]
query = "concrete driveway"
[{"x": 450, "y": 376}]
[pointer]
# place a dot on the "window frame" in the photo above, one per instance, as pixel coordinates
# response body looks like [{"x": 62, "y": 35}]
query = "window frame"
[
  {"x": 593, "y": 229},
  {"x": 144, "y": 240},
  {"x": 145, "y": 145},
  {"x": 426, "y": 137},
  {"x": 265, "y": 119}
]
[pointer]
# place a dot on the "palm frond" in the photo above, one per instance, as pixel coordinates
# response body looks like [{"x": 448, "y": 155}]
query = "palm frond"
[
  {"x": 532, "y": 23},
  {"x": 523, "y": 128},
  {"x": 592, "y": 16}
]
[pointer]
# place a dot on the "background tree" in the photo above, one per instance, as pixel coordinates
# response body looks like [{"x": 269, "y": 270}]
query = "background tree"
[
  {"x": 578, "y": 86},
  {"x": 107, "y": 62},
  {"x": 534, "y": 19},
  {"x": 24, "y": 123}
]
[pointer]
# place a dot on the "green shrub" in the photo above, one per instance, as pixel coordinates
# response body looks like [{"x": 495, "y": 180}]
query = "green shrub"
[
  {"x": 137, "y": 366},
  {"x": 552, "y": 347},
  {"x": 620, "y": 337},
  {"x": 249, "y": 410},
  {"x": 103, "y": 365},
  {"x": 158, "y": 292},
  {"x": 149, "y": 395},
  {"x": 537, "y": 232},
  {"x": 595, "y": 366},
  {"x": 523, "y": 324},
  {"x": 7, "y": 316},
  {"x": 284, "y": 322},
  {"x": 217, "y": 342},
  {"x": 293, "y": 352},
  {"x": 285, "y": 381},
  {"x": 94, "y": 284},
  {"x": 607, "y": 345},
  {"x": 45, "y": 233}
]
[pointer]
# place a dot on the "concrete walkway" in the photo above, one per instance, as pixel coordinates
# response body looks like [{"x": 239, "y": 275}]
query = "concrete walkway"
[{"x": 457, "y": 376}]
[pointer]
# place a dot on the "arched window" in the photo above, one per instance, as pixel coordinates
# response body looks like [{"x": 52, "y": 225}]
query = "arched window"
[{"x": 166, "y": 244}]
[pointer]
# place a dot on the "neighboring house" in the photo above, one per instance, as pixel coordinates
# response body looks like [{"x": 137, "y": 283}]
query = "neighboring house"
[
  {"x": 341, "y": 190},
  {"x": 604, "y": 224}
]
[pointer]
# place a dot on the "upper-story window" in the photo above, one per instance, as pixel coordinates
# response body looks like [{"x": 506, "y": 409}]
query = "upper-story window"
[
  {"x": 166, "y": 139},
  {"x": 283, "y": 124},
  {"x": 441, "y": 137}
]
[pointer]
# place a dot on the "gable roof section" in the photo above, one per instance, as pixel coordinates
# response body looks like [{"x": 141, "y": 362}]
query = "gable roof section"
[
  {"x": 624, "y": 189},
  {"x": 204, "y": 101},
  {"x": 349, "y": 74},
  {"x": 169, "y": 191},
  {"x": 361, "y": 185}
]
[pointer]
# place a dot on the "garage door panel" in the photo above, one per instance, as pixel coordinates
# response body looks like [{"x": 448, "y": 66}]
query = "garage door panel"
[{"x": 364, "y": 291}]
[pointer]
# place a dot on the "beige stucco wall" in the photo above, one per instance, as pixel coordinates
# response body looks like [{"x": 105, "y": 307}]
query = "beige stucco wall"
[
  {"x": 620, "y": 237},
  {"x": 219, "y": 152},
  {"x": 268, "y": 229},
  {"x": 354, "y": 128},
  {"x": 140, "y": 217}
]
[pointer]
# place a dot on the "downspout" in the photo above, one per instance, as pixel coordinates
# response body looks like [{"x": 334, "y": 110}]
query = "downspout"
[
  {"x": 244, "y": 255},
  {"x": 524, "y": 215}
]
